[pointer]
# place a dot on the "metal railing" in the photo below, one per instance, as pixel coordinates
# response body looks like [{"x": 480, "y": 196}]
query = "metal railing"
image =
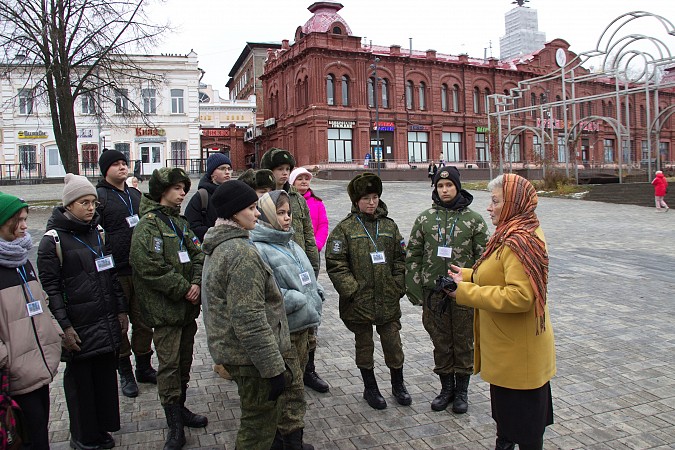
[
  {"x": 89, "y": 169},
  {"x": 20, "y": 171},
  {"x": 195, "y": 166}
]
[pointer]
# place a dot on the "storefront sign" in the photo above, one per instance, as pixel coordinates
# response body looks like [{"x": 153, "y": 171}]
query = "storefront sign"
[
  {"x": 419, "y": 128},
  {"x": 216, "y": 132},
  {"x": 341, "y": 123},
  {"x": 482, "y": 129},
  {"x": 558, "y": 124},
  {"x": 150, "y": 132},
  {"x": 86, "y": 133},
  {"x": 32, "y": 134},
  {"x": 384, "y": 126}
]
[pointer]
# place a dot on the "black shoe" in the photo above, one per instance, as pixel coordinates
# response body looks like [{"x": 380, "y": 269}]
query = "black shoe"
[
  {"x": 106, "y": 440},
  {"x": 398, "y": 389},
  {"x": 461, "y": 403},
  {"x": 144, "y": 371},
  {"x": 311, "y": 379},
  {"x": 190, "y": 419},
  {"x": 371, "y": 392},
  {"x": 293, "y": 441},
  {"x": 175, "y": 439},
  {"x": 127, "y": 380},
  {"x": 82, "y": 446},
  {"x": 447, "y": 394}
]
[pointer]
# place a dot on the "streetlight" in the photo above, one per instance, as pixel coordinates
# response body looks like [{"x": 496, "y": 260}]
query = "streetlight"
[{"x": 378, "y": 149}]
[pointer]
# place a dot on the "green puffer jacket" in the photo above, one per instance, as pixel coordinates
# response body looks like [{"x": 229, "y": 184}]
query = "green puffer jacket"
[
  {"x": 369, "y": 293},
  {"x": 160, "y": 279},
  {"x": 302, "y": 226},
  {"x": 244, "y": 310},
  {"x": 464, "y": 230}
]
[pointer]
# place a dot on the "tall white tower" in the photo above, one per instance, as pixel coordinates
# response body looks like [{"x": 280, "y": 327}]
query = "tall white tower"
[{"x": 522, "y": 33}]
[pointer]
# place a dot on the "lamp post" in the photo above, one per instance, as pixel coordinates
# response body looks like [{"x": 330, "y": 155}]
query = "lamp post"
[{"x": 378, "y": 149}]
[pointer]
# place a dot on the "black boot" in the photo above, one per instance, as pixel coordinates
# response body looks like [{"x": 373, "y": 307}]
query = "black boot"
[
  {"x": 503, "y": 444},
  {"x": 398, "y": 387},
  {"x": 311, "y": 378},
  {"x": 144, "y": 371},
  {"x": 371, "y": 392},
  {"x": 175, "y": 440},
  {"x": 278, "y": 443},
  {"x": 293, "y": 441},
  {"x": 127, "y": 380},
  {"x": 190, "y": 419},
  {"x": 447, "y": 393},
  {"x": 461, "y": 403}
]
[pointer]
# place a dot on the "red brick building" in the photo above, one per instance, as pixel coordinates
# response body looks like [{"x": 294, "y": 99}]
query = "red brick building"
[{"x": 321, "y": 94}]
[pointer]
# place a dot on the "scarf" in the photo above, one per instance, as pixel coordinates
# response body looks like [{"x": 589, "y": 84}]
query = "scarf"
[
  {"x": 14, "y": 253},
  {"x": 516, "y": 230}
]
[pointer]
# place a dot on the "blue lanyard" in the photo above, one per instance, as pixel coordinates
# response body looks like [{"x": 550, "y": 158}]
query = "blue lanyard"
[
  {"x": 174, "y": 230},
  {"x": 129, "y": 206},
  {"x": 100, "y": 245},
  {"x": 293, "y": 256},
  {"x": 452, "y": 229},
  {"x": 377, "y": 231},
  {"x": 24, "y": 277}
]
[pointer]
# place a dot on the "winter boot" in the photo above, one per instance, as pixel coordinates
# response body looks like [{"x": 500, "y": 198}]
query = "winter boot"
[
  {"x": 278, "y": 443},
  {"x": 447, "y": 393},
  {"x": 311, "y": 378},
  {"x": 190, "y": 419},
  {"x": 398, "y": 389},
  {"x": 461, "y": 403},
  {"x": 127, "y": 380},
  {"x": 175, "y": 439},
  {"x": 144, "y": 371},
  {"x": 503, "y": 444},
  {"x": 293, "y": 441},
  {"x": 371, "y": 392}
]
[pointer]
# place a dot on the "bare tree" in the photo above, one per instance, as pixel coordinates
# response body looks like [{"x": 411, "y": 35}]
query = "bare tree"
[{"x": 71, "y": 48}]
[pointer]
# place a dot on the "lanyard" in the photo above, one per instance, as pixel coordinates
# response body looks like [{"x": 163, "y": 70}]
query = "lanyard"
[
  {"x": 24, "y": 277},
  {"x": 100, "y": 246},
  {"x": 377, "y": 231},
  {"x": 182, "y": 236},
  {"x": 294, "y": 256},
  {"x": 129, "y": 206},
  {"x": 452, "y": 229}
]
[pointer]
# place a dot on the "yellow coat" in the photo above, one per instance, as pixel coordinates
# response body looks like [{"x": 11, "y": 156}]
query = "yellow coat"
[{"x": 508, "y": 352}]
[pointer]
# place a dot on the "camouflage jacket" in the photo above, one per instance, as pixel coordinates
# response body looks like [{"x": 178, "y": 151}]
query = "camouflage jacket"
[
  {"x": 464, "y": 230},
  {"x": 368, "y": 292},
  {"x": 160, "y": 279},
  {"x": 244, "y": 311},
  {"x": 302, "y": 225}
]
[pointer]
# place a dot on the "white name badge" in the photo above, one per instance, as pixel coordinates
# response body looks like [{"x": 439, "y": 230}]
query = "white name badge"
[
  {"x": 305, "y": 279},
  {"x": 34, "y": 308},
  {"x": 183, "y": 257},
  {"x": 133, "y": 220},
  {"x": 105, "y": 263},
  {"x": 445, "y": 252},
  {"x": 378, "y": 257}
]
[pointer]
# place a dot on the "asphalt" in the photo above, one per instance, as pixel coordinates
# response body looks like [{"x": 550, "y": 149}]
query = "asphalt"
[{"x": 611, "y": 303}]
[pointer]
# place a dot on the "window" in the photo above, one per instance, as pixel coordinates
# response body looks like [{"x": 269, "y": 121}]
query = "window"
[
  {"x": 89, "y": 156},
  {"x": 125, "y": 148},
  {"x": 27, "y": 157},
  {"x": 562, "y": 149},
  {"x": 643, "y": 116},
  {"x": 87, "y": 101},
  {"x": 177, "y": 101},
  {"x": 645, "y": 152},
  {"x": 476, "y": 100},
  {"x": 345, "y": 90},
  {"x": 533, "y": 102},
  {"x": 452, "y": 144},
  {"x": 481, "y": 148},
  {"x": 513, "y": 148},
  {"x": 121, "y": 101},
  {"x": 339, "y": 145},
  {"x": 25, "y": 102},
  {"x": 610, "y": 109},
  {"x": 149, "y": 100},
  {"x": 385, "y": 92},
  {"x": 455, "y": 98},
  {"x": 305, "y": 91},
  {"x": 609, "y": 150},
  {"x": 559, "y": 111},
  {"x": 330, "y": 89},
  {"x": 409, "y": 94},
  {"x": 664, "y": 150},
  {"x": 537, "y": 149},
  {"x": 371, "y": 92},
  {"x": 179, "y": 153},
  {"x": 422, "y": 95},
  {"x": 486, "y": 100},
  {"x": 444, "y": 97},
  {"x": 417, "y": 146}
]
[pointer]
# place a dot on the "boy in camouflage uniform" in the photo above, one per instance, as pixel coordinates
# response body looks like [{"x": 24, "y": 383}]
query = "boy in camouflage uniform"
[
  {"x": 365, "y": 260},
  {"x": 167, "y": 262},
  {"x": 447, "y": 233}
]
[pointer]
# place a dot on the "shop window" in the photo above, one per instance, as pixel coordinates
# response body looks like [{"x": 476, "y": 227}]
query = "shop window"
[
  {"x": 339, "y": 145},
  {"x": 452, "y": 145},
  {"x": 608, "y": 150},
  {"x": 179, "y": 153},
  {"x": 28, "y": 156},
  {"x": 417, "y": 146}
]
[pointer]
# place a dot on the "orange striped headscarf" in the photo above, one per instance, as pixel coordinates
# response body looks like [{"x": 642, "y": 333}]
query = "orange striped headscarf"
[{"x": 516, "y": 230}]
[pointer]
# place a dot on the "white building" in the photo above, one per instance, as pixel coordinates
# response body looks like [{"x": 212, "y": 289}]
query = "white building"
[{"x": 522, "y": 35}]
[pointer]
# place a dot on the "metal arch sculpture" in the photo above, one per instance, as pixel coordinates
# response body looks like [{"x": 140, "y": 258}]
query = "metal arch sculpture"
[{"x": 507, "y": 144}]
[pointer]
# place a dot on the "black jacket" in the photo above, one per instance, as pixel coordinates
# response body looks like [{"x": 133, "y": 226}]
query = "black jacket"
[
  {"x": 199, "y": 222},
  {"x": 79, "y": 295},
  {"x": 113, "y": 212}
]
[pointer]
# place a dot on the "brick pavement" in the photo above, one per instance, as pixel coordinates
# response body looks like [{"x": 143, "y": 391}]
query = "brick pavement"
[{"x": 610, "y": 294}]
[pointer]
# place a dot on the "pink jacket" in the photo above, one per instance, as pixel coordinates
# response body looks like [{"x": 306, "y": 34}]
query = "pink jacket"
[
  {"x": 660, "y": 185},
  {"x": 317, "y": 212}
]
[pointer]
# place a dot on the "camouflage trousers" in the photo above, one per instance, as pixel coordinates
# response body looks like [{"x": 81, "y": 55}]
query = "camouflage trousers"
[
  {"x": 141, "y": 334},
  {"x": 311, "y": 338},
  {"x": 390, "y": 337},
  {"x": 293, "y": 398},
  {"x": 174, "y": 347},
  {"x": 259, "y": 415},
  {"x": 450, "y": 327}
]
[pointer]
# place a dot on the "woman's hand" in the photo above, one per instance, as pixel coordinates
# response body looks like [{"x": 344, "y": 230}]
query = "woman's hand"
[{"x": 455, "y": 273}]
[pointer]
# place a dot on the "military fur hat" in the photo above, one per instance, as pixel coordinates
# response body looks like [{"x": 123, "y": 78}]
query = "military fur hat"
[
  {"x": 364, "y": 184},
  {"x": 257, "y": 179},
  {"x": 275, "y": 157},
  {"x": 164, "y": 178}
]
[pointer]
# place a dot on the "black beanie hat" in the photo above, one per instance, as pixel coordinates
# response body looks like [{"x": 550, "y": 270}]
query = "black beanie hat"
[
  {"x": 108, "y": 157},
  {"x": 364, "y": 184},
  {"x": 275, "y": 157},
  {"x": 449, "y": 173},
  {"x": 162, "y": 179},
  {"x": 231, "y": 197}
]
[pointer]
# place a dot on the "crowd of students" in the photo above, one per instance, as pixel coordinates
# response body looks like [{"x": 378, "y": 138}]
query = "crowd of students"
[{"x": 246, "y": 253}]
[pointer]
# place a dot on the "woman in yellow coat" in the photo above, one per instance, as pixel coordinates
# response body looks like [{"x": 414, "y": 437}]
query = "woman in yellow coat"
[{"x": 514, "y": 349}]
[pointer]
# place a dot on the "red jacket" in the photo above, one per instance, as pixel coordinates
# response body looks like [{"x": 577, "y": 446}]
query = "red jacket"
[{"x": 660, "y": 185}]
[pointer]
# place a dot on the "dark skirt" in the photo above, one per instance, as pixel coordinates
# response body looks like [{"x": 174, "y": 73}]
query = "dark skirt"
[{"x": 521, "y": 415}]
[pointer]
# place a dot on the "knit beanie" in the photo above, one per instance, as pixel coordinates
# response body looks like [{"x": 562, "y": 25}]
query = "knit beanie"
[
  {"x": 364, "y": 184},
  {"x": 258, "y": 179},
  {"x": 9, "y": 205},
  {"x": 297, "y": 172},
  {"x": 214, "y": 161},
  {"x": 275, "y": 157},
  {"x": 231, "y": 197},
  {"x": 76, "y": 186},
  {"x": 267, "y": 205},
  {"x": 449, "y": 173},
  {"x": 108, "y": 157},
  {"x": 162, "y": 179}
]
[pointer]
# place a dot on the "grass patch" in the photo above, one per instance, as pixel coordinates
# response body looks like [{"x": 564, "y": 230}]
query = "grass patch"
[
  {"x": 43, "y": 203},
  {"x": 475, "y": 185}
]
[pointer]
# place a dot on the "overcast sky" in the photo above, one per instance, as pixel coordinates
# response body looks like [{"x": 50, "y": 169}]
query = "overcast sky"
[{"x": 218, "y": 30}]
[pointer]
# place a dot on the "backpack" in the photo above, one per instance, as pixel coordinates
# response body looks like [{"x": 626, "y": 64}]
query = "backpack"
[
  {"x": 11, "y": 417},
  {"x": 57, "y": 240},
  {"x": 204, "y": 194}
]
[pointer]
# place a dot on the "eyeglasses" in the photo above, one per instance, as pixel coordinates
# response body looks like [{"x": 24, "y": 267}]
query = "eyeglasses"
[
  {"x": 371, "y": 199},
  {"x": 86, "y": 204}
]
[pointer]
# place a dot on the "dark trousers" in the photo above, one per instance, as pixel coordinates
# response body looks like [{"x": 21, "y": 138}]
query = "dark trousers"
[
  {"x": 141, "y": 334},
  {"x": 90, "y": 386},
  {"x": 174, "y": 352},
  {"x": 35, "y": 408}
]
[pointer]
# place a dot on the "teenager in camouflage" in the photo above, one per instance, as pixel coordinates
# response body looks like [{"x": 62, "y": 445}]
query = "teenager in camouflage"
[
  {"x": 365, "y": 260},
  {"x": 447, "y": 233}
]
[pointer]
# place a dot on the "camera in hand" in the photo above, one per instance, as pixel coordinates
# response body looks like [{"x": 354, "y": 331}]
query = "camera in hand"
[{"x": 445, "y": 284}]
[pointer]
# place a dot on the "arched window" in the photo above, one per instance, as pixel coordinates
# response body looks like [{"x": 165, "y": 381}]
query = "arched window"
[
  {"x": 610, "y": 109},
  {"x": 330, "y": 89},
  {"x": 604, "y": 109},
  {"x": 371, "y": 92},
  {"x": 476, "y": 100},
  {"x": 533, "y": 102},
  {"x": 486, "y": 100},
  {"x": 409, "y": 94},
  {"x": 542, "y": 99},
  {"x": 444, "y": 97},
  {"x": 423, "y": 95},
  {"x": 643, "y": 116},
  {"x": 337, "y": 30},
  {"x": 305, "y": 92},
  {"x": 455, "y": 98},
  {"x": 385, "y": 92},
  {"x": 345, "y": 90},
  {"x": 589, "y": 108}
]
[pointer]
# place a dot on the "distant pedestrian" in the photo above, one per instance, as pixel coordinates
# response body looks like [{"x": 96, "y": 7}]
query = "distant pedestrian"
[
  {"x": 660, "y": 190},
  {"x": 132, "y": 182},
  {"x": 431, "y": 171},
  {"x": 300, "y": 179}
]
